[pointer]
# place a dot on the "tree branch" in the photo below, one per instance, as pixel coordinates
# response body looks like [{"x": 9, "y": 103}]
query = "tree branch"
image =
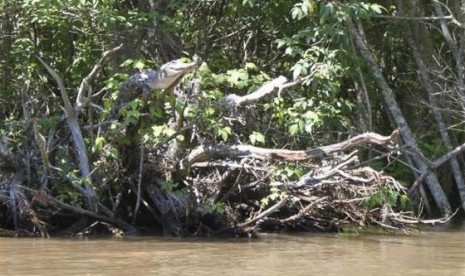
[
  {"x": 414, "y": 18},
  {"x": 129, "y": 229},
  {"x": 436, "y": 164},
  {"x": 234, "y": 100},
  {"x": 210, "y": 153},
  {"x": 78, "y": 140},
  {"x": 85, "y": 81},
  {"x": 268, "y": 212}
]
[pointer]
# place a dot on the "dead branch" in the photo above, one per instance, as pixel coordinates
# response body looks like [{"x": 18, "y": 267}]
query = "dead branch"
[
  {"x": 210, "y": 153},
  {"x": 267, "y": 212},
  {"x": 276, "y": 85},
  {"x": 85, "y": 81},
  {"x": 310, "y": 179},
  {"x": 414, "y": 18},
  {"x": 234, "y": 100},
  {"x": 77, "y": 138},
  {"x": 436, "y": 164},
  {"x": 8, "y": 161},
  {"x": 47, "y": 199},
  {"x": 303, "y": 211},
  {"x": 229, "y": 165},
  {"x": 139, "y": 185}
]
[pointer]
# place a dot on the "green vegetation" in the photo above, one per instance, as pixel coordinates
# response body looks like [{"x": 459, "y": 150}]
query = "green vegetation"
[{"x": 207, "y": 158}]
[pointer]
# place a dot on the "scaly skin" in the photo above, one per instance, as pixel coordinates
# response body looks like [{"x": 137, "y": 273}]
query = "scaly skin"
[{"x": 145, "y": 82}]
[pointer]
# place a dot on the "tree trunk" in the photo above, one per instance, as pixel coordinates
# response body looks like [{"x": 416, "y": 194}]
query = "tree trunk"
[
  {"x": 400, "y": 122},
  {"x": 79, "y": 144},
  {"x": 426, "y": 78}
]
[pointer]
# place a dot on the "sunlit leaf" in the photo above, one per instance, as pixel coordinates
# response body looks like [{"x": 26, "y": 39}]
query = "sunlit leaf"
[
  {"x": 376, "y": 8},
  {"x": 296, "y": 72},
  {"x": 294, "y": 129},
  {"x": 138, "y": 64},
  {"x": 256, "y": 137}
]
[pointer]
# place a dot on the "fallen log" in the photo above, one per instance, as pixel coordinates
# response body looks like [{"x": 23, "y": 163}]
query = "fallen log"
[{"x": 211, "y": 153}]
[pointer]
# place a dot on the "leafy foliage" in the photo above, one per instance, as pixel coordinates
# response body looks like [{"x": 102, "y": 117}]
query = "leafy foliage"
[
  {"x": 245, "y": 44},
  {"x": 393, "y": 198}
]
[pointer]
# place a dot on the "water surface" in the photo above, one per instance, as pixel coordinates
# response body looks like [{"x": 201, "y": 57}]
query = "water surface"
[{"x": 428, "y": 253}]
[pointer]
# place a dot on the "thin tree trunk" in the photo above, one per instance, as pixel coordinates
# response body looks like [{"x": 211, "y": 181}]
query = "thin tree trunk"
[
  {"x": 364, "y": 105},
  {"x": 399, "y": 120},
  {"x": 78, "y": 140},
  {"x": 455, "y": 48},
  {"x": 434, "y": 105},
  {"x": 459, "y": 180}
]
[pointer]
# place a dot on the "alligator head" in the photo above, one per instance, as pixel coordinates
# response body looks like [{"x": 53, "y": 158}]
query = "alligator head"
[
  {"x": 169, "y": 73},
  {"x": 166, "y": 78}
]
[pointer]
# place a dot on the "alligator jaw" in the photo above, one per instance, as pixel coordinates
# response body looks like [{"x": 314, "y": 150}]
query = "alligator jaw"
[
  {"x": 177, "y": 67},
  {"x": 171, "y": 72}
]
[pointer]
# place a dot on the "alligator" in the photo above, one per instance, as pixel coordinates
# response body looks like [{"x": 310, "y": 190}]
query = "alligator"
[{"x": 143, "y": 83}]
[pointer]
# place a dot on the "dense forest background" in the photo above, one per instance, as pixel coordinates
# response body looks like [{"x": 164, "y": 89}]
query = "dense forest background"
[{"x": 353, "y": 67}]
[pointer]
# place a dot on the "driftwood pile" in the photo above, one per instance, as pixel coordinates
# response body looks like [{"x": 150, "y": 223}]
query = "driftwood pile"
[{"x": 233, "y": 189}]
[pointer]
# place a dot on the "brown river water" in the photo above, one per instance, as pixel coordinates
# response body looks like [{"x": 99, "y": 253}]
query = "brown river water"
[{"x": 438, "y": 252}]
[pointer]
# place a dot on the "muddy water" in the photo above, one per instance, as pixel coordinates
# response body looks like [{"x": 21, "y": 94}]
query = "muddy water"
[{"x": 429, "y": 253}]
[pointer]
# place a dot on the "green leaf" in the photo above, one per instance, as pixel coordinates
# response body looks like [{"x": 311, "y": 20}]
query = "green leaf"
[
  {"x": 264, "y": 201},
  {"x": 294, "y": 129},
  {"x": 250, "y": 2},
  {"x": 375, "y": 200},
  {"x": 392, "y": 198},
  {"x": 296, "y": 13},
  {"x": 281, "y": 43},
  {"x": 328, "y": 9},
  {"x": 250, "y": 66},
  {"x": 158, "y": 130},
  {"x": 209, "y": 111},
  {"x": 274, "y": 196},
  {"x": 113, "y": 152},
  {"x": 312, "y": 116},
  {"x": 120, "y": 18},
  {"x": 98, "y": 144},
  {"x": 297, "y": 69},
  {"x": 311, "y": 7},
  {"x": 138, "y": 64},
  {"x": 127, "y": 62},
  {"x": 377, "y": 8},
  {"x": 256, "y": 137},
  {"x": 404, "y": 202},
  {"x": 224, "y": 133}
]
